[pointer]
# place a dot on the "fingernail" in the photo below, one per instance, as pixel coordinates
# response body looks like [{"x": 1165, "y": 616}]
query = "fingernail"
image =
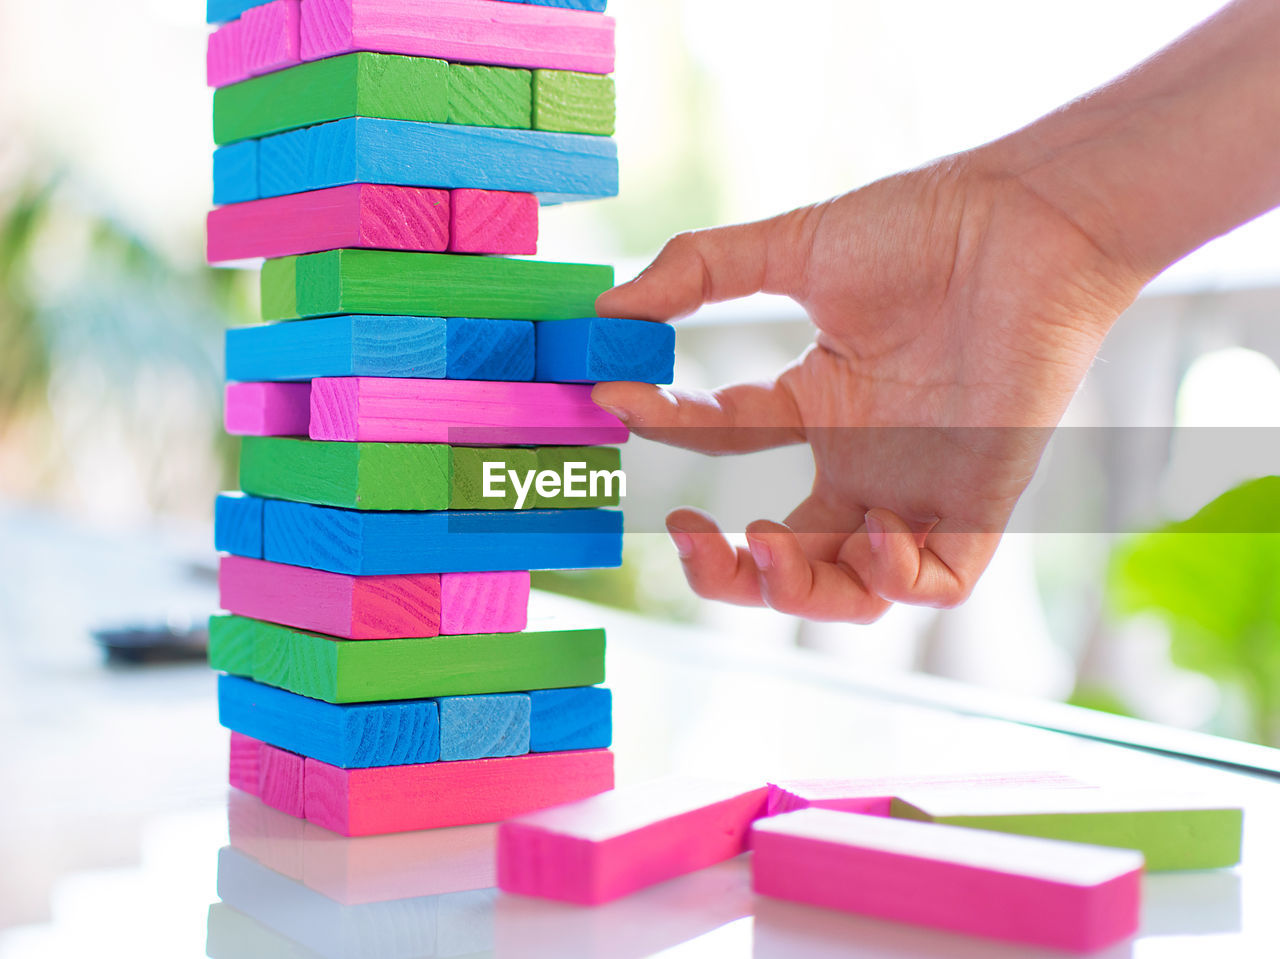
[
  {"x": 683, "y": 542},
  {"x": 875, "y": 531},
  {"x": 761, "y": 553},
  {"x": 619, "y": 413}
]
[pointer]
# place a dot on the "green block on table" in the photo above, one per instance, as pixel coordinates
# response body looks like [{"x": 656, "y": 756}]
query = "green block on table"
[
  {"x": 356, "y": 85},
  {"x": 490, "y": 96},
  {"x": 468, "y": 476},
  {"x": 569, "y": 102},
  {"x": 393, "y": 283},
  {"x": 594, "y": 459},
  {"x": 1172, "y": 832},
  {"x": 377, "y": 670}
]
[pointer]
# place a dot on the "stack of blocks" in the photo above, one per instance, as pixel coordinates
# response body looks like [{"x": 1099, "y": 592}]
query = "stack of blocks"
[{"x": 387, "y": 159}]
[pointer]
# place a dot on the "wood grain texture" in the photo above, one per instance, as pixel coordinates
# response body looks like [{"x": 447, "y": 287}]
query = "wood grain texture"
[
  {"x": 390, "y": 283},
  {"x": 559, "y": 167},
  {"x": 280, "y": 779},
  {"x": 490, "y": 349},
  {"x": 1062, "y": 895},
  {"x": 266, "y": 37},
  {"x": 237, "y": 525},
  {"x": 362, "y": 802},
  {"x": 873, "y": 795},
  {"x": 600, "y": 849},
  {"x": 459, "y": 412},
  {"x": 245, "y": 763},
  {"x": 476, "y": 727},
  {"x": 484, "y": 602},
  {"x": 411, "y": 346},
  {"x": 235, "y": 173},
  {"x": 379, "y": 670},
  {"x": 490, "y": 96},
  {"x": 362, "y": 215},
  {"x": 568, "y": 102},
  {"x": 267, "y": 409},
  {"x": 576, "y": 718},
  {"x": 463, "y": 541},
  {"x": 468, "y": 466},
  {"x": 588, "y": 460},
  {"x": 220, "y": 11},
  {"x": 1172, "y": 832},
  {"x": 493, "y": 221},
  {"x": 593, "y": 349},
  {"x": 597, "y": 5},
  {"x": 466, "y": 31},
  {"x": 356, "y": 85}
]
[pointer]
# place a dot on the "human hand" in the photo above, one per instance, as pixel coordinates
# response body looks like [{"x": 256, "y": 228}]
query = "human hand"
[{"x": 956, "y": 312}]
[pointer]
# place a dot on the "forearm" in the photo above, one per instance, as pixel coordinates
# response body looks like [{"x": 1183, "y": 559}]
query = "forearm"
[{"x": 1181, "y": 149}]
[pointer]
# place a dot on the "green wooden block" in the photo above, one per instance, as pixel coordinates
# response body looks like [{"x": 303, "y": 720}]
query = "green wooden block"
[
  {"x": 377, "y": 670},
  {"x": 376, "y": 476},
  {"x": 355, "y": 85},
  {"x": 279, "y": 287},
  {"x": 595, "y": 459},
  {"x": 569, "y": 102},
  {"x": 1171, "y": 832},
  {"x": 394, "y": 283},
  {"x": 468, "y": 476},
  {"x": 490, "y": 96},
  {"x": 232, "y": 646}
]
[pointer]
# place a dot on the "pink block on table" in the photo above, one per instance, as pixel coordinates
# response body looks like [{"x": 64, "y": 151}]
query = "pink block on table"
[
  {"x": 246, "y": 763},
  {"x": 467, "y": 31},
  {"x": 386, "y": 799},
  {"x": 280, "y": 780},
  {"x": 361, "y": 215},
  {"x": 493, "y": 221},
  {"x": 265, "y": 38},
  {"x": 605, "y": 847},
  {"x": 461, "y": 412},
  {"x": 267, "y": 409},
  {"x": 484, "y": 602},
  {"x": 872, "y": 795},
  {"x": 996, "y": 885}
]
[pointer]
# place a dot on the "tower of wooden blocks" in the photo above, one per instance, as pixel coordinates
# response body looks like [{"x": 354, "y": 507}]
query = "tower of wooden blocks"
[{"x": 418, "y": 432}]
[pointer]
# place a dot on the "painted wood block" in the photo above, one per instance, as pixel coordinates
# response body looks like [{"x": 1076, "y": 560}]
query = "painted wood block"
[
  {"x": 245, "y": 763},
  {"x": 235, "y": 173},
  {"x": 490, "y": 96},
  {"x": 463, "y": 541},
  {"x": 873, "y": 795},
  {"x": 267, "y": 409},
  {"x": 220, "y": 11},
  {"x": 558, "y": 167},
  {"x": 280, "y": 779},
  {"x": 459, "y": 412},
  {"x": 379, "y": 670},
  {"x": 1062, "y": 895},
  {"x": 363, "y": 802},
  {"x": 596, "y": 472},
  {"x": 356, "y": 85},
  {"x": 600, "y": 849},
  {"x": 473, "y": 603},
  {"x": 493, "y": 221},
  {"x": 592, "y": 349},
  {"x": 596, "y": 5},
  {"x": 568, "y": 102},
  {"x": 266, "y": 37},
  {"x": 1172, "y": 832},
  {"x": 237, "y": 525},
  {"x": 224, "y": 55},
  {"x": 576, "y": 718},
  {"x": 362, "y": 215},
  {"x": 468, "y": 476},
  {"x": 475, "y": 727},
  {"x": 393, "y": 283},
  {"x": 466, "y": 31},
  {"x": 490, "y": 349}
]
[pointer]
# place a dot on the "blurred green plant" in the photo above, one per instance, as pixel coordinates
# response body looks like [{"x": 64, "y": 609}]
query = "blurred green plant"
[{"x": 1214, "y": 579}]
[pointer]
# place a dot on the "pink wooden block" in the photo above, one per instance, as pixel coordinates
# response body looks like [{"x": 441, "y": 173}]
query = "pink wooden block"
[
  {"x": 468, "y": 31},
  {"x": 224, "y": 56},
  {"x": 605, "y": 847},
  {"x": 280, "y": 780},
  {"x": 1016, "y": 888},
  {"x": 493, "y": 221},
  {"x": 268, "y": 409},
  {"x": 385, "y": 799},
  {"x": 362, "y": 215},
  {"x": 484, "y": 602},
  {"x": 265, "y": 38},
  {"x": 461, "y": 412},
  {"x": 872, "y": 795},
  {"x": 246, "y": 763}
]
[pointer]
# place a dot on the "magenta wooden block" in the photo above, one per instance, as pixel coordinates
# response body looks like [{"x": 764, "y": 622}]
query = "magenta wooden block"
[
  {"x": 1000, "y": 886},
  {"x": 265, "y": 38},
  {"x": 361, "y": 215},
  {"x": 268, "y": 409},
  {"x": 460, "y": 412},
  {"x": 872, "y": 795},
  {"x": 484, "y": 602},
  {"x": 600, "y": 849},
  {"x": 246, "y": 763},
  {"x": 466, "y": 31},
  {"x": 280, "y": 778},
  {"x": 493, "y": 221},
  {"x": 224, "y": 55}
]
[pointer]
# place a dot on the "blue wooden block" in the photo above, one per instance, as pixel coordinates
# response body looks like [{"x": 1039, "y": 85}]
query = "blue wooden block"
[
  {"x": 490, "y": 349},
  {"x": 220, "y": 11},
  {"x": 353, "y": 736},
  {"x": 477, "y": 727},
  {"x": 596, "y": 5},
  {"x": 237, "y": 524},
  {"x": 235, "y": 172},
  {"x": 456, "y": 541},
  {"x": 405, "y": 346},
  {"x": 594, "y": 348},
  {"x": 557, "y": 166},
  {"x": 577, "y": 718}
]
